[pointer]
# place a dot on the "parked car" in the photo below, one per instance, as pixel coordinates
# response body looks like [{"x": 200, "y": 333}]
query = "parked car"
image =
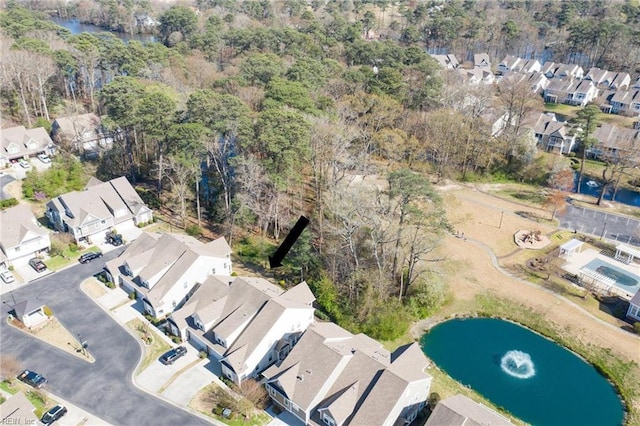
[
  {"x": 53, "y": 414},
  {"x": 37, "y": 264},
  {"x": 171, "y": 356},
  {"x": 114, "y": 238},
  {"x": 7, "y": 276},
  {"x": 25, "y": 164},
  {"x": 32, "y": 379},
  {"x": 89, "y": 256},
  {"x": 44, "y": 158}
]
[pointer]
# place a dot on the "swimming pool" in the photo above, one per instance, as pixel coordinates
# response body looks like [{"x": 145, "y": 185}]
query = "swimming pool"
[{"x": 624, "y": 280}]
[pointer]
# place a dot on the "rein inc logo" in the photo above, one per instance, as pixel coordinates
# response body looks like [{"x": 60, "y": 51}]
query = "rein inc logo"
[{"x": 16, "y": 420}]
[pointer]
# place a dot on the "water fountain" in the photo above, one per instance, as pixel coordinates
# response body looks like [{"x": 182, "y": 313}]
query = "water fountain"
[{"x": 518, "y": 364}]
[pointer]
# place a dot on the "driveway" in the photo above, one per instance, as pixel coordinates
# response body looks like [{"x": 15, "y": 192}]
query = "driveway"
[
  {"x": 5, "y": 179},
  {"x": 103, "y": 388},
  {"x": 601, "y": 224}
]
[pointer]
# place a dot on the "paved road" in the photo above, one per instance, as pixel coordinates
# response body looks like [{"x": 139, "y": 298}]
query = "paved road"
[
  {"x": 601, "y": 224},
  {"x": 103, "y": 388}
]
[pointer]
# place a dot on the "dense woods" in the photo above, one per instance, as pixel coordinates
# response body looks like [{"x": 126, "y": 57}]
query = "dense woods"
[{"x": 331, "y": 110}]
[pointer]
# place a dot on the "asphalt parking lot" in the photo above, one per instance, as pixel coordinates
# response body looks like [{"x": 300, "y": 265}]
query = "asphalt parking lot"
[
  {"x": 601, "y": 224},
  {"x": 105, "y": 387}
]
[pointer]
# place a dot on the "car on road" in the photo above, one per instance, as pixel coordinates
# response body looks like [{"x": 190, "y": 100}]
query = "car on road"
[
  {"x": 32, "y": 379},
  {"x": 53, "y": 414},
  {"x": 44, "y": 158},
  {"x": 7, "y": 276},
  {"x": 171, "y": 356},
  {"x": 37, "y": 264},
  {"x": 25, "y": 164},
  {"x": 88, "y": 257}
]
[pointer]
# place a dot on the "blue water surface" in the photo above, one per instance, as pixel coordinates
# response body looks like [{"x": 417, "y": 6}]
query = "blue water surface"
[{"x": 565, "y": 390}]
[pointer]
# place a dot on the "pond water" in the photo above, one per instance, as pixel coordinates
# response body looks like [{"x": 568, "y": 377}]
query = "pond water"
[
  {"x": 76, "y": 27},
  {"x": 533, "y": 378},
  {"x": 594, "y": 188}
]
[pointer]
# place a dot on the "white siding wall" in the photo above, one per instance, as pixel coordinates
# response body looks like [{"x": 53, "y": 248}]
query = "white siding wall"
[
  {"x": 292, "y": 320},
  {"x": 28, "y": 248}
]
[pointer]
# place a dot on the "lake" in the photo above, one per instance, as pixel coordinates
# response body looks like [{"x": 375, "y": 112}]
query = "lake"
[
  {"x": 530, "y": 376},
  {"x": 593, "y": 187},
  {"x": 76, "y": 27}
]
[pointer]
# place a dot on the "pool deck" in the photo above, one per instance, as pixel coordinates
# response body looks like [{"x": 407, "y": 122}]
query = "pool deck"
[{"x": 578, "y": 260}]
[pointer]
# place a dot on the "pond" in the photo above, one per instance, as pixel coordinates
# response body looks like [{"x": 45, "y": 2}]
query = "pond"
[
  {"x": 76, "y": 27},
  {"x": 533, "y": 378},
  {"x": 593, "y": 187}
]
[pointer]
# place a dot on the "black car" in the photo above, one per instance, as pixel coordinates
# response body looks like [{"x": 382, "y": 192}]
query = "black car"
[
  {"x": 88, "y": 257},
  {"x": 171, "y": 356},
  {"x": 114, "y": 238},
  {"x": 53, "y": 414},
  {"x": 37, "y": 264},
  {"x": 32, "y": 379}
]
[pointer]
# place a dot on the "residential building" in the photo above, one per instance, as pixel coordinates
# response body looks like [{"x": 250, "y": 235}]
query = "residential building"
[
  {"x": 89, "y": 214},
  {"x": 636, "y": 85},
  {"x": 164, "y": 269},
  {"x": 246, "y": 323},
  {"x": 21, "y": 236},
  {"x": 536, "y": 81},
  {"x": 19, "y": 142},
  {"x": 18, "y": 410},
  {"x": 477, "y": 75},
  {"x": 607, "y": 79},
  {"x": 615, "y": 142},
  {"x": 626, "y": 102},
  {"x": 515, "y": 64},
  {"x": 30, "y": 312},
  {"x": 562, "y": 71},
  {"x": 83, "y": 133},
  {"x": 634, "y": 307},
  {"x": 553, "y": 135},
  {"x": 458, "y": 410},
  {"x": 449, "y": 62},
  {"x": 572, "y": 92},
  {"x": 334, "y": 377}
]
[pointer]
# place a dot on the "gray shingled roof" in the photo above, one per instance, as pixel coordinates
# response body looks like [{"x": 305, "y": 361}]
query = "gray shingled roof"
[
  {"x": 459, "y": 410},
  {"x": 17, "y": 224},
  {"x": 20, "y": 137}
]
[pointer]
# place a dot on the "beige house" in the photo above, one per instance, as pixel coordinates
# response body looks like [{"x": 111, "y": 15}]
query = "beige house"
[
  {"x": 458, "y": 410},
  {"x": 333, "y": 377},
  {"x": 21, "y": 236},
  {"x": 246, "y": 323},
  {"x": 19, "y": 142},
  {"x": 82, "y": 132},
  {"x": 88, "y": 215},
  {"x": 165, "y": 269}
]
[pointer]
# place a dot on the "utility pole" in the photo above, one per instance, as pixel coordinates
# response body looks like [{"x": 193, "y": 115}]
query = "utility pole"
[{"x": 501, "y": 216}]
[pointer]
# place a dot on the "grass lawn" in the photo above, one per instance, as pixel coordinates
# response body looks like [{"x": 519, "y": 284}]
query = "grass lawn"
[
  {"x": 4, "y": 385},
  {"x": 152, "y": 351},
  {"x": 67, "y": 257},
  {"x": 39, "y": 401},
  {"x": 201, "y": 404}
]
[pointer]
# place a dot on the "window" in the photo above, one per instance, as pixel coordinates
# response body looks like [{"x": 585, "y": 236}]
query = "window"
[
  {"x": 326, "y": 419},
  {"x": 213, "y": 271},
  {"x": 174, "y": 304},
  {"x": 103, "y": 221},
  {"x": 186, "y": 285}
]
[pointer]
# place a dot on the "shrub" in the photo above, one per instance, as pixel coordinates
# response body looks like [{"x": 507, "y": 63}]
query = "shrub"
[
  {"x": 636, "y": 327},
  {"x": 73, "y": 247},
  {"x": 109, "y": 284},
  {"x": 132, "y": 295},
  {"x": 202, "y": 354},
  {"x": 434, "y": 398},
  {"x": 10, "y": 367},
  {"x": 11, "y": 268},
  {"x": 193, "y": 230},
  {"x": 176, "y": 339},
  {"x": 9, "y": 202},
  {"x": 47, "y": 311}
]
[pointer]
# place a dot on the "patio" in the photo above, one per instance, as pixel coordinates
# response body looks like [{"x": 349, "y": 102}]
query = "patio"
[{"x": 581, "y": 264}]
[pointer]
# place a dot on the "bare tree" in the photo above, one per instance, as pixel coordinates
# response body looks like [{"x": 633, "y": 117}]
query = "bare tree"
[{"x": 10, "y": 367}]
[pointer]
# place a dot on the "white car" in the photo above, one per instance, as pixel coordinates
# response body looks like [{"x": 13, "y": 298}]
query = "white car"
[
  {"x": 24, "y": 163},
  {"x": 44, "y": 158},
  {"x": 7, "y": 276}
]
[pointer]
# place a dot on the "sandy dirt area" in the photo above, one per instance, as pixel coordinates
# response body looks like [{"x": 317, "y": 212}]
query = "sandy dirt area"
[
  {"x": 54, "y": 333},
  {"x": 477, "y": 214}
]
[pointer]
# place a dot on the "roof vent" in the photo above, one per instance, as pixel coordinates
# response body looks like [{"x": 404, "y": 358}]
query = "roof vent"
[
  {"x": 301, "y": 378},
  {"x": 309, "y": 372}
]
